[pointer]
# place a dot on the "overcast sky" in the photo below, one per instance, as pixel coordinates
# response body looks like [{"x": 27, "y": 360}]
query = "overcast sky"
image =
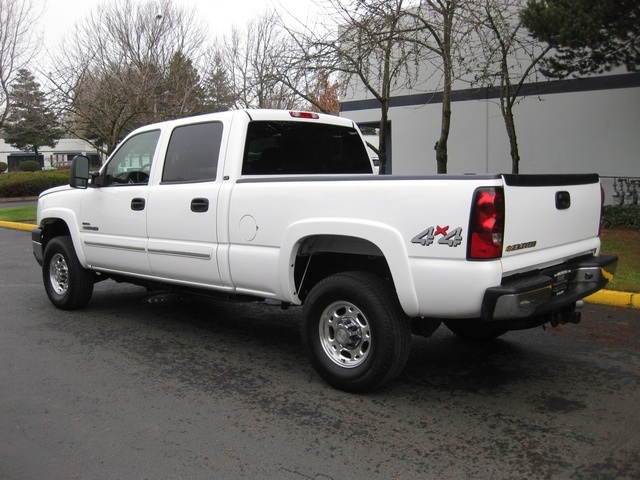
[{"x": 60, "y": 16}]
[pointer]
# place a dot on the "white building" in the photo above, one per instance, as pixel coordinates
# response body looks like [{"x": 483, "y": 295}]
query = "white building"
[
  {"x": 59, "y": 156},
  {"x": 569, "y": 126}
]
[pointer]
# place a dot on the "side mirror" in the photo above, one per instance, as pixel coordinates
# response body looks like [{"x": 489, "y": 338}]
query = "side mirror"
[{"x": 79, "y": 176}]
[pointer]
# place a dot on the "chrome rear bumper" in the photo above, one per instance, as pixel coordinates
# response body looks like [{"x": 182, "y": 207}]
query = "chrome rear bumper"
[{"x": 548, "y": 290}]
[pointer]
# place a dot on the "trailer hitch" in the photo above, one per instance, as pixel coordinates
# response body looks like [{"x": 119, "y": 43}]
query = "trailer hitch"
[{"x": 568, "y": 314}]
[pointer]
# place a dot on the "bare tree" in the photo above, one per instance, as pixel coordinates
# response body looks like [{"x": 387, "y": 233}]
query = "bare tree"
[
  {"x": 251, "y": 57},
  {"x": 369, "y": 45},
  {"x": 17, "y": 44},
  {"x": 129, "y": 64},
  {"x": 307, "y": 76},
  {"x": 510, "y": 57},
  {"x": 444, "y": 30},
  {"x": 323, "y": 95}
]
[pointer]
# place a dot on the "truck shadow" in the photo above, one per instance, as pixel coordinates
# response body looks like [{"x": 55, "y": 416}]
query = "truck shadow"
[
  {"x": 214, "y": 343},
  {"x": 446, "y": 362}
]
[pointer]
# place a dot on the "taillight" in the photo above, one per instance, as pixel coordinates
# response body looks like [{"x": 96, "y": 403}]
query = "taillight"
[
  {"x": 487, "y": 223},
  {"x": 601, "y": 210}
]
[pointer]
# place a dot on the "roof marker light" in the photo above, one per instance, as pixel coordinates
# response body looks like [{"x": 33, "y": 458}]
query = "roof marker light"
[{"x": 312, "y": 115}]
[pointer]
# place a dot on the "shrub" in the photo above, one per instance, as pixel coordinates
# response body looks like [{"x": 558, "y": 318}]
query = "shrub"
[
  {"x": 30, "y": 166},
  {"x": 3, "y": 167},
  {"x": 627, "y": 216},
  {"x": 31, "y": 184}
]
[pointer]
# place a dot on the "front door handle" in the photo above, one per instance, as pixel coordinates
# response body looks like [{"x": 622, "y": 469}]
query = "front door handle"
[
  {"x": 137, "y": 204},
  {"x": 199, "y": 205}
]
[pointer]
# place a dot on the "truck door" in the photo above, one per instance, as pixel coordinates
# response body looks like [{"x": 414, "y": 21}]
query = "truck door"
[
  {"x": 181, "y": 213},
  {"x": 112, "y": 219}
]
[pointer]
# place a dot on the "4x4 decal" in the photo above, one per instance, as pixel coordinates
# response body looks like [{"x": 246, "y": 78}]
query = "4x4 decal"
[{"x": 428, "y": 236}]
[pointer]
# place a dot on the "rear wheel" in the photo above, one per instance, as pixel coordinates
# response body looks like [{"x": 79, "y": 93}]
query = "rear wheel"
[
  {"x": 68, "y": 285},
  {"x": 354, "y": 331}
]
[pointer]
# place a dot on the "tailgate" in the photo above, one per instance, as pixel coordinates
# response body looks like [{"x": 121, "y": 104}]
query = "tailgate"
[{"x": 549, "y": 219}]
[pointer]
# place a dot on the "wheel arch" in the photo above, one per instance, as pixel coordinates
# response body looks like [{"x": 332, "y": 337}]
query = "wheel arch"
[
  {"x": 59, "y": 223},
  {"x": 350, "y": 239}
]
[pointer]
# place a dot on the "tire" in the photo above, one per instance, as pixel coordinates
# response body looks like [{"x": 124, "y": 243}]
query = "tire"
[
  {"x": 354, "y": 332},
  {"x": 69, "y": 286},
  {"x": 475, "y": 329}
]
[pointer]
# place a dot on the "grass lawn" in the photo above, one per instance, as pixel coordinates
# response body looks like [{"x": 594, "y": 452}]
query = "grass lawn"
[
  {"x": 18, "y": 214},
  {"x": 625, "y": 243},
  {"x": 622, "y": 242}
]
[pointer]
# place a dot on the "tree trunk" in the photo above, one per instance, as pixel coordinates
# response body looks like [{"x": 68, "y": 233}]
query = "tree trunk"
[
  {"x": 442, "y": 156},
  {"x": 506, "y": 106},
  {"x": 513, "y": 142},
  {"x": 441, "y": 144},
  {"x": 382, "y": 137}
]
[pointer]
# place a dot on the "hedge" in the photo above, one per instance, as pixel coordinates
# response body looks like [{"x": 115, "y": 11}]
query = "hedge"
[
  {"x": 30, "y": 166},
  {"x": 627, "y": 216},
  {"x": 31, "y": 184}
]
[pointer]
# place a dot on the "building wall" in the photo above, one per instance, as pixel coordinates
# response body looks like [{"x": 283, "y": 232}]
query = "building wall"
[{"x": 575, "y": 126}]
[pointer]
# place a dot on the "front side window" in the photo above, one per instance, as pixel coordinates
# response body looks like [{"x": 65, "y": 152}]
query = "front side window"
[
  {"x": 131, "y": 164},
  {"x": 192, "y": 155},
  {"x": 277, "y": 147}
]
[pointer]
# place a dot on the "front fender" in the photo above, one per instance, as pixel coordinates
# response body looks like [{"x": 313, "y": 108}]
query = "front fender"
[
  {"x": 387, "y": 239},
  {"x": 50, "y": 216}
]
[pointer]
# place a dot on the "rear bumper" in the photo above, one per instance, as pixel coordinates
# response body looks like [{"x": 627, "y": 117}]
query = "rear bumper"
[{"x": 548, "y": 290}]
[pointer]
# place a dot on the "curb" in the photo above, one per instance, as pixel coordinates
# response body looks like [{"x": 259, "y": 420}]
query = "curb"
[
  {"x": 615, "y": 298},
  {"x": 612, "y": 298},
  {"x": 27, "y": 227},
  {"x": 18, "y": 199}
]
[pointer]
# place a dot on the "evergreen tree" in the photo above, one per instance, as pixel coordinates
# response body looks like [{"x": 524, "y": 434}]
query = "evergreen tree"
[
  {"x": 182, "y": 93},
  {"x": 217, "y": 84},
  {"x": 589, "y": 36},
  {"x": 31, "y": 123}
]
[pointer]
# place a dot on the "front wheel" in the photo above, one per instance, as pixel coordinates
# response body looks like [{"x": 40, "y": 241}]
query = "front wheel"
[
  {"x": 354, "y": 331},
  {"x": 68, "y": 285}
]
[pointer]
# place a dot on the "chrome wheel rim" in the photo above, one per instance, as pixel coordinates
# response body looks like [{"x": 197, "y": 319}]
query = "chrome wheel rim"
[
  {"x": 59, "y": 274},
  {"x": 345, "y": 334}
]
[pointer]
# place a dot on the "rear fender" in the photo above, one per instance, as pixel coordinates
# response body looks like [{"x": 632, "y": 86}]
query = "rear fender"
[{"x": 386, "y": 239}]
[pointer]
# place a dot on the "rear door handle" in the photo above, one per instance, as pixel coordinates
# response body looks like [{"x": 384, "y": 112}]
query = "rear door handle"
[
  {"x": 137, "y": 204},
  {"x": 563, "y": 200},
  {"x": 199, "y": 205}
]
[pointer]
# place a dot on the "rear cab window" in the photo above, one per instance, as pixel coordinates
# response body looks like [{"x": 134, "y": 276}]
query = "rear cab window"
[
  {"x": 192, "y": 154},
  {"x": 300, "y": 148}
]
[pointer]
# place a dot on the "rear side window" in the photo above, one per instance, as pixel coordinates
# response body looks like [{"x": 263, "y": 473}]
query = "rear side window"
[
  {"x": 192, "y": 155},
  {"x": 277, "y": 148}
]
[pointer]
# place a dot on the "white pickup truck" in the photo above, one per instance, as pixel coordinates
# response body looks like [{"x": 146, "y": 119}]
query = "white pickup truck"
[{"x": 284, "y": 206}]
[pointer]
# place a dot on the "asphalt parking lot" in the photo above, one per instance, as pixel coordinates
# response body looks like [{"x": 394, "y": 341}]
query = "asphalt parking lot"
[{"x": 145, "y": 385}]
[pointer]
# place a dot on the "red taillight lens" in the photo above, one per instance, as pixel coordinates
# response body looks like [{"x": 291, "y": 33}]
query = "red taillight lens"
[
  {"x": 601, "y": 210},
  {"x": 487, "y": 223}
]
